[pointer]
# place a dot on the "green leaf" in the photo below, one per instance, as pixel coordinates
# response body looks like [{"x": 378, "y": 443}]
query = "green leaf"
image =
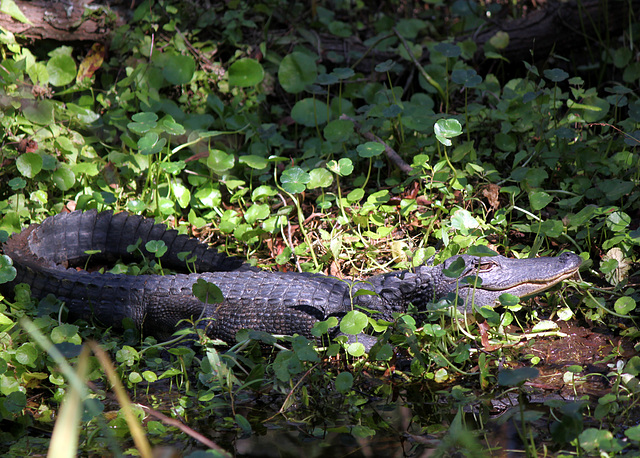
[
  {"x": 39, "y": 112},
  {"x": 354, "y": 322},
  {"x": 385, "y": 353},
  {"x": 322, "y": 327},
  {"x": 143, "y": 122},
  {"x": 297, "y": 70},
  {"x": 319, "y": 178},
  {"x": 62, "y": 70},
  {"x": 207, "y": 292},
  {"x": 15, "y": 402},
  {"x": 633, "y": 433},
  {"x": 343, "y": 167},
  {"x": 243, "y": 423},
  {"x": 294, "y": 180},
  {"x": 257, "y": 212},
  {"x": 263, "y": 192},
  {"x": 448, "y": 49},
  {"x": 614, "y": 189},
  {"x": 9, "y": 7},
  {"x": 505, "y": 142},
  {"x": 508, "y": 300},
  {"x": 624, "y": 305},
  {"x": 385, "y": 66},
  {"x": 356, "y": 349},
  {"x": 556, "y": 74},
  {"x": 253, "y": 161},
  {"x": 158, "y": 247},
  {"x": 514, "y": 377},
  {"x": 468, "y": 78},
  {"x": 355, "y": 195},
  {"x": 325, "y": 79},
  {"x": 338, "y": 130},
  {"x": 500, "y": 40},
  {"x": 17, "y": 183},
  {"x": 182, "y": 194},
  {"x": 171, "y": 127},
  {"x": 592, "y": 439},
  {"x": 455, "y": 269},
  {"x": 409, "y": 28},
  {"x": 481, "y": 251},
  {"x": 633, "y": 366},
  {"x": 7, "y": 271},
  {"x": 29, "y": 164},
  {"x": 151, "y": 143},
  {"x": 340, "y": 29},
  {"x": 446, "y": 129},
  {"x": 66, "y": 333},
  {"x": 178, "y": 69},
  {"x": 82, "y": 114},
  {"x": 343, "y": 73},
  {"x": 361, "y": 431},
  {"x": 27, "y": 354},
  {"x": 246, "y": 72},
  {"x": 463, "y": 220},
  {"x": 219, "y": 161},
  {"x": 370, "y": 149},
  {"x": 310, "y": 112},
  {"x": 305, "y": 349},
  {"x": 344, "y": 382},
  {"x": 539, "y": 200},
  {"x": 63, "y": 177},
  {"x": 149, "y": 376}
]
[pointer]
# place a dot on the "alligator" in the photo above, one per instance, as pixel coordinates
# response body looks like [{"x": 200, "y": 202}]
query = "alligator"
[{"x": 50, "y": 258}]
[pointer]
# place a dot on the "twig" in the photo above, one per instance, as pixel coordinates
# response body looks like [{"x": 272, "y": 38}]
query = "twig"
[
  {"x": 185, "y": 429},
  {"x": 170, "y": 422},
  {"x": 390, "y": 152}
]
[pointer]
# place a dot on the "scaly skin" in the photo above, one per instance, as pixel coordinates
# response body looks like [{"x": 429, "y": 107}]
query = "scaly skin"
[{"x": 276, "y": 302}]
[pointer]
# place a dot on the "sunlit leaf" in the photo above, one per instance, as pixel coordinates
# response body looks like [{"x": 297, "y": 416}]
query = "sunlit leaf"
[
  {"x": 294, "y": 180},
  {"x": 446, "y": 129}
]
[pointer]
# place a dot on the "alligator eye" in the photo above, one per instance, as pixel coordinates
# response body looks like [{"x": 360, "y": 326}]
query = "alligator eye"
[{"x": 485, "y": 267}]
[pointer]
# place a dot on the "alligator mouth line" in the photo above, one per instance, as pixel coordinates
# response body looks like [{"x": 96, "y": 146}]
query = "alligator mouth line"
[
  {"x": 539, "y": 285},
  {"x": 529, "y": 287}
]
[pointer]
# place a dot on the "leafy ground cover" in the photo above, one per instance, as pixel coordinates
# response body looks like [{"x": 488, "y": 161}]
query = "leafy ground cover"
[{"x": 244, "y": 131}]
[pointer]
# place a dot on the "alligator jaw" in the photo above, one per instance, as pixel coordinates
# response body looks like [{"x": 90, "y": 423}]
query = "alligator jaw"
[
  {"x": 520, "y": 277},
  {"x": 531, "y": 288}
]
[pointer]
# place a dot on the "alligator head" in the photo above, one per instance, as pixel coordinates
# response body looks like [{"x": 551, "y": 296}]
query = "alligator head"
[{"x": 499, "y": 275}]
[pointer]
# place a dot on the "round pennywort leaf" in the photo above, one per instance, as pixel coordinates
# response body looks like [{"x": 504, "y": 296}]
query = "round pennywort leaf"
[
  {"x": 61, "y": 69},
  {"x": 624, "y": 305},
  {"x": 310, "y": 112},
  {"x": 207, "y": 292},
  {"x": 354, "y": 323},
  {"x": 178, "y": 69},
  {"x": 539, "y": 200},
  {"x": 294, "y": 180},
  {"x": 370, "y": 149},
  {"x": 246, "y": 72},
  {"x": 29, "y": 164},
  {"x": 446, "y": 129},
  {"x": 297, "y": 70},
  {"x": 344, "y": 382}
]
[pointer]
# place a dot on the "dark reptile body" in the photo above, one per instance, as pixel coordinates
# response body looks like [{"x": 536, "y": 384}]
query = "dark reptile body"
[{"x": 45, "y": 257}]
